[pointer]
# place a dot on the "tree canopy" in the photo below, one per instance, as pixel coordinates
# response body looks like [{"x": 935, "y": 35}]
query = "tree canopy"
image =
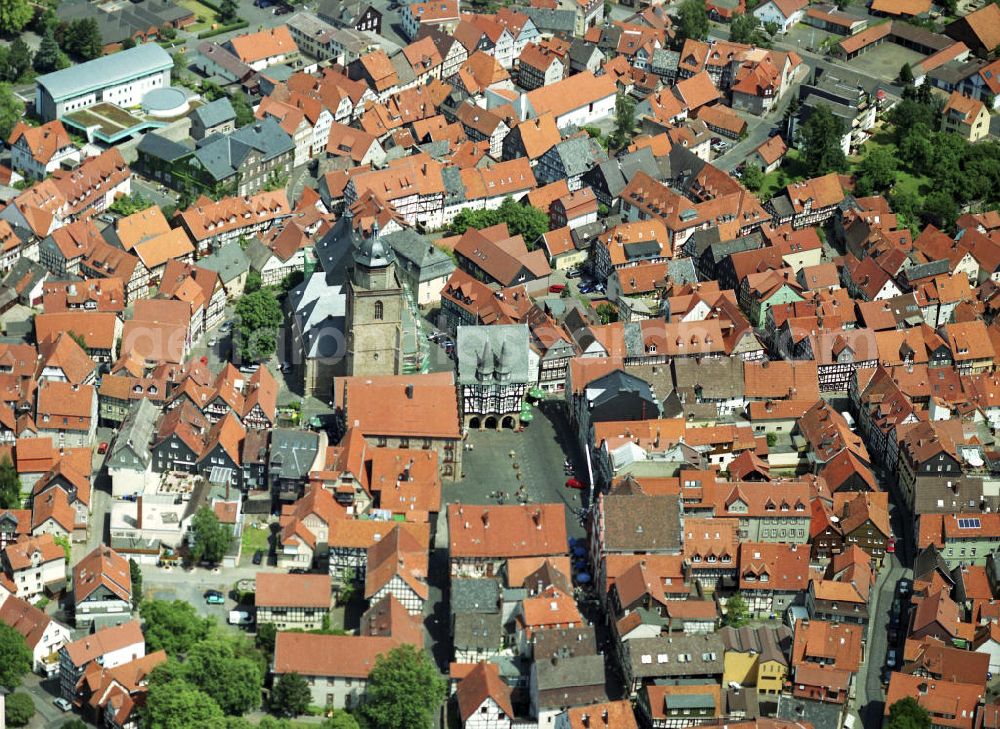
[
  {"x": 737, "y": 613},
  {"x": 746, "y": 28},
  {"x": 291, "y": 695},
  {"x": 210, "y": 538},
  {"x": 692, "y": 20},
  {"x": 404, "y": 690},
  {"x": 753, "y": 177},
  {"x": 340, "y": 720},
  {"x": 135, "y": 572},
  {"x": 10, "y": 485},
  {"x": 15, "y": 657},
  {"x": 228, "y": 10},
  {"x": 49, "y": 56},
  {"x": 82, "y": 39},
  {"x": 907, "y": 713},
  {"x": 173, "y": 626},
  {"x": 236, "y": 676},
  {"x": 821, "y": 139},
  {"x": 624, "y": 121},
  {"x": 877, "y": 171},
  {"x": 176, "y": 704},
  {"x": 11, "y": 110},
  {"x": 14, "y": 15},
  {"x": 258, "y": 317},
  {"x": 15, "y": 59},
  {"x": 19, "y": 709},
  {"x": 524, "y": 220}
]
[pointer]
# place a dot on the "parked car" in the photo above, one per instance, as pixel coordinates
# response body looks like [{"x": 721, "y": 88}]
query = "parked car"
[
  {"x": 904, "y": 587},
  {"x": 886, "y": 676},
  {"x": 574, "y": 273},
  {"x": 557, "y": 288},
  {"x": 63, "y": 704},
  {"x": 214, "y": 597},
  {"x": 102, "y": 448},
  {"x": 890, "y": 658},
  {"x": 891, "y": 546},
  {"x": 573, "y": 483},
  {"x": 258, "y": 556},
  {"x": 213, "y": 341}
]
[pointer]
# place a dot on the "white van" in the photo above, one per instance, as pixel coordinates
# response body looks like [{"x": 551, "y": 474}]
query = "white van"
[{"x": 240, "y": 617}]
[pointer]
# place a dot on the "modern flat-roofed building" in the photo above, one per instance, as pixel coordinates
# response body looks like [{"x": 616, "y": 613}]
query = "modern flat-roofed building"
[{"x": 122, "y": 79}]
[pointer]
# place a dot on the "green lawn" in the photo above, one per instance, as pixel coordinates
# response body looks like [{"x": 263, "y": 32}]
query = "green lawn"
[
  {"x": 254, "y": 539},
  {"x": 204, "y": 16},
  {"x": 791, "y": 170}
]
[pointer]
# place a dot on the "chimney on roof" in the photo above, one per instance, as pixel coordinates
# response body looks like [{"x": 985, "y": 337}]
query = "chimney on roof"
[
  {"x": 409, "y": 392},
  {"x": 486, "y": 518},
  {"x": 537, "y": 518}
]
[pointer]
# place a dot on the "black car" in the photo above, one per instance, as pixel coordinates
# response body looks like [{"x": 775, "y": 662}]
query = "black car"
[
  {"x": 904, "y": 587},
  {"x": 297, "y": 571},
  {"x": 258, "y": 556},
  {"x": 886, "y": 676}
]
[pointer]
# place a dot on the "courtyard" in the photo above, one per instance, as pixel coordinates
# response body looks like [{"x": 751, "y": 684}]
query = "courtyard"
[{"x": 885, "y": 60}]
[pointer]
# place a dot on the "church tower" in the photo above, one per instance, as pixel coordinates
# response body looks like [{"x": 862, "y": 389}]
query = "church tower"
[{"x": 375, "y": 301}]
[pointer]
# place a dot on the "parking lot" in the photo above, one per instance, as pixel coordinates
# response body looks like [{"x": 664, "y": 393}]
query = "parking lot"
[{"x": 884, "y": 61}]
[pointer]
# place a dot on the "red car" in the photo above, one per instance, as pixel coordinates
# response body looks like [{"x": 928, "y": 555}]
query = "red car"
[
  {"x": 574, "y": 484},
  {"x": 102, "y": 448},
  {"x": 891, "y": 546}
]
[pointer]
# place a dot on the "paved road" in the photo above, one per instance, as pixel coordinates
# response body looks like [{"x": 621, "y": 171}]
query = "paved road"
[{"x": 43, "y": 692}]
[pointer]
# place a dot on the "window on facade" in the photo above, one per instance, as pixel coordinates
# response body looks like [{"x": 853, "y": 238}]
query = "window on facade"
[{"x": 379, "y": 311}]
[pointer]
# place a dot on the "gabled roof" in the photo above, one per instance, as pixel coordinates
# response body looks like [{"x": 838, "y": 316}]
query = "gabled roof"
[{"x": 103, "y": 567}]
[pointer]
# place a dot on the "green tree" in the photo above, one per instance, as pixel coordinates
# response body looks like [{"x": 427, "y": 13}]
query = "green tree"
[
  {"x": 607, "y": 313},
  {"x": 340, "y": 720},
  {"x": 877, "y": 171},
  {"x": 11, "y": 110},
  {"x": 746, "y": 28},
  {"x": 820, "y": 140},
  {"x": 737, "y": 613},
  {"x": 73, "y": 724},
  {"x": 624, "y": 121},
  {"x": 264, "y": 640},
  {"x": 49, "y": 56},
  {"x": 243, "y": 110},
  {"x": 227, "y": 11},
  {"x": 692, "y": 20},
  {"x": 236, "y": 679},
  {"x": 254, "y": 282},
  {"x": 940, "y": 209},
  {"x": 176, "y": 704},
  {"x": 67, "y": 548},
  {"x": 18, "y": 60},
  {"x": 14, "y": 15},
  {"x": 906, "y": 74},
  {"x": 83, "y": 39},
  {"x": 135, "y": 572},
  {"x": 19, "y": 709},
  {"x": 258, "y": 316},
  {"x": 290, "y": 281},
  {"x": 10, "y": 487},
  {"x": 753, "y": 177},
  {"x": 907, "y": 713},
  {"x": 180, "y": 63},
  {"x": 210, "y": 538},
  {"x": 404, "y": 690},
  {"x": 15, "y": 657},
  {"x": 524, "y": 220},
  {"x": 291, "y": 695},
  {"x": 173, "y": 626},
  {"x": 126, "y": 205}
]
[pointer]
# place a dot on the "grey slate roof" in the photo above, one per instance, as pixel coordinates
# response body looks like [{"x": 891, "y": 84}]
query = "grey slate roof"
[
  {"x": 817, "y": 713},
  {"x": 551, "y": 21},
  {"x": 416, "y": 252},
  {"x": 292, "y": 453},
  {"x": 719, "y": 379},
  {"x": 665, "y": 60},
  {"x": 475, "y": 596},
  {"x": 131, "y": 447},
  {"x": 578, "y": 155},
  {"x": 105, "y": 71},
  {"x": 564, "y": 642},
  {"x": 320, "y": 308},
  {"x": 127, "y": 20},
  {"x": 682, "y": 271},
  {"x": 478, "y": 631},
  {"x": 771, "y": 643},
  {"x": 454, "y": 188},
  {"x": 484, "y": 352},
  {"x": 559, "y": 673},
  {"x": 612, "y": 384},
  {"x": 215, "y": 113},
  {"x": 221, "y": 156},
  {"x": 162, "y": 148},
  {"x": 580, "y": 51},
  {"x": 669, "y": 656},
  {"x": 229, "y": 261}
]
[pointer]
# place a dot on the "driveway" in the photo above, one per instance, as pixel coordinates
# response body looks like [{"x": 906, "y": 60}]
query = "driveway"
[{"x": 43, "y": 693}]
